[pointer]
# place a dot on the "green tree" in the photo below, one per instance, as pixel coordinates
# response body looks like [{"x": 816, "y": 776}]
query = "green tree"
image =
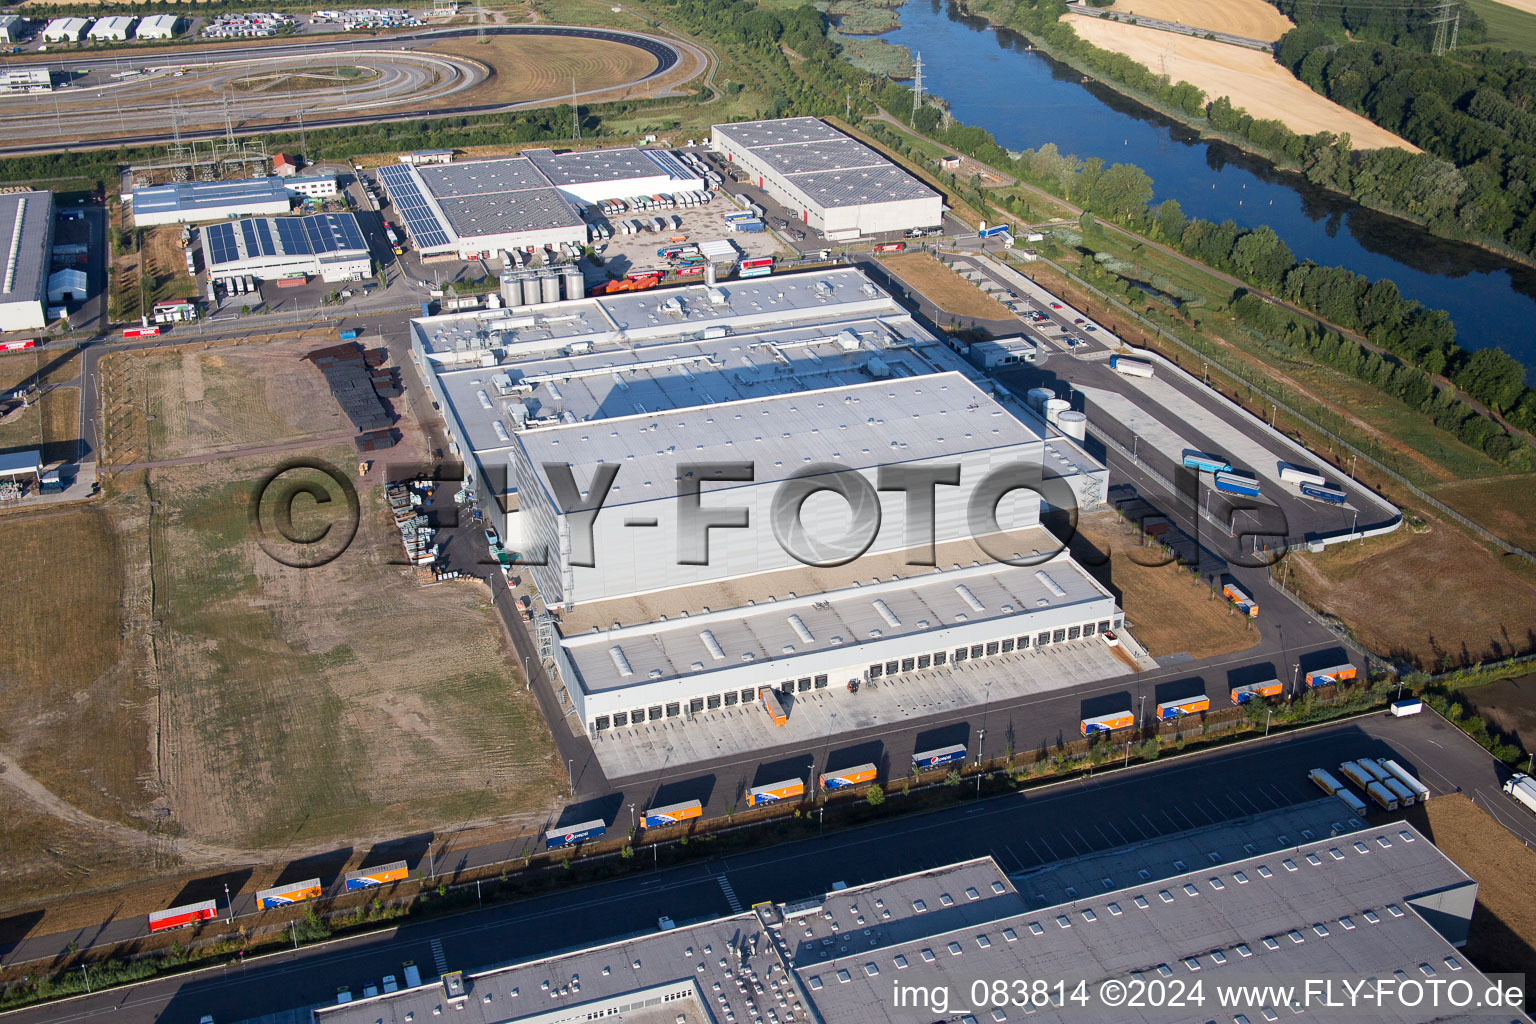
[{"x": 874, "y": 795}]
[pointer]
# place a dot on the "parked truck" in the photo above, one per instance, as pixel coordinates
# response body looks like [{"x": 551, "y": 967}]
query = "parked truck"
[
  {"x": 1130, "y": 367},
  {"x": 1107, "y": 723},
  {"x": 1523, "y": 788},
  {"x": 1330, "y": 675},
  {"x": 1420, "y": 791},
  {"x": 774, "y": 706},
  {"x": 348, "y": 334},
  {"x": 1237, "y": 482},
  {"x": 1178, "y": 708},
  {"x": 1239, "y": 597},
  {"x": 1262, "y": 690}
]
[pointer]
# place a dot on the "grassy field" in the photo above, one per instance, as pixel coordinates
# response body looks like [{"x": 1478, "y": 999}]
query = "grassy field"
[
  {"x": 1511, "y": 25},
  {"x": 945, "y": 288},
  {"x": 1168, "y": 610},
  {"x": 1500, "y": 504},
  {"x": 1503, "y": 934},
  {"x": 1434, "y": 598},
  {"x": 51, "y": 421}
]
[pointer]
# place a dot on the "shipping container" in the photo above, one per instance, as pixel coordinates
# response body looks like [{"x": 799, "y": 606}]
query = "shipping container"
[
  {"x": 1237, "y": 482},
  {"x": 756, "y": 272},
  {"x": 283, "y": 895},
  {"x": 383, "y": 874},
  {"x": 1376, "y": 771},
  {"x": 292, "y": 282},
  {"x": 848, "y": 777},
  {"x": 1188, "y": 706},
  {"x": 141, "y": 332},
  {"x": 17, "y": 346},
  {"x": 1407, "y": 706},
  {"x": 890, "y": 247},
  {"x": 1405, "y": 796},
  {"x": 570, "y": 835},
  {"x": 1130, "y": 367},
  {"x": 1205, "y": 463},
  {"x": 1325, "y": 780},
  {"x": 770, "y": 701},
  {"x": 183, "y": 916},
  {"x": 1319, "y": 492},
  {"x": 1351, "y": 801},
  {"x": 1107, "y": 723},
  {"x": 774, "y": 792},
  {"x": 1232, "y": 591},
  {"x": 1325, "y": 676},
  {"x": 1293, "y": 474},
  {"x": 348, "y": 335},
  {"x": 938, "y": 756},
  {"x": 757, "y": 261},
  {"x": 1401, "y": 774},
  {"x": 658, "y": 817},
  {"x": 1264, "y": 690},
  {"x": 426, "y": 309},
  {"x": 1383, "y": 796}
]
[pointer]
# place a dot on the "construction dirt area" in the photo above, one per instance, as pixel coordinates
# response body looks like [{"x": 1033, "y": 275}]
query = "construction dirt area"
[
  {"x": 1249, "y": 78},
  {"x": 41, "y": 407},
  {"x": 1503, "y": 935},
  {"x": 1167, "y": 609},
  {"x": 1251, "y": 19},
  {"x": 175, "y": 700},
  {"x": 945, "y": 288},
  {"x": 1454, "y": 602}
]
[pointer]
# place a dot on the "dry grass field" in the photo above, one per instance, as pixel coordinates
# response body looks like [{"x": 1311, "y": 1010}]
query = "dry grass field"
[
  {"x": 945, "y": 288},
  {"x": 1253, "y": 19},
  {"x": 1503, "y": 935},
  {"x": 1433, "y": 598},
  {"x": 51, "y": 422},
  {"x": 173, "y": 699},
  {"x": 1500, "y": 504},
  {"x": 1168, "y": 610},
  {"x": 539, "y": 68},
  {"x": 1250, "y": 78},
  {"x": 196, "y": 400}
]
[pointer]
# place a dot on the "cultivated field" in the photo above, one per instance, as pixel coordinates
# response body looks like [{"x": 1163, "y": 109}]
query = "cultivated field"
[
  {"x": 542, "y": 67},
  {"x": 945, "y": 288},
  {"x": 1528, "y": 6},
  {"x": 1434, "y": 598},
  {"x": 1503, "y": 935},
  {"x": 1253, "y": 19},
  {"x": 1511, "y": 23},
  {"x": 1250, "y": 78},
  {"x": 1168, "y": 610}
]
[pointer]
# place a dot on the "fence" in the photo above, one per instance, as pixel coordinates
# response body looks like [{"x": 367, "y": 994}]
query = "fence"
[{"x": 1296, "y": 414}]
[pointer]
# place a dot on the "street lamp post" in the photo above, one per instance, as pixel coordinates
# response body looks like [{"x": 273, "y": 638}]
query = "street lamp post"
[
  {"x": 1295, "y": 678},
  {"x": 229, "y": 903},
  {"x": 631, "y": 816},
  {"x": 1268, "y": 714},
  {"x": 570, "y": 771}
]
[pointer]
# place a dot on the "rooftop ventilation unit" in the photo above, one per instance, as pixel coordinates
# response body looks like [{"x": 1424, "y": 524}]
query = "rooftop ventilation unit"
[
  {"x": 715, "y": 650},
  {"x": 1049, "y": 584},
  {"x": 620, "y": 661},
  {"x": 969, "y": 598},
  {"x": 886, "y": 613}
]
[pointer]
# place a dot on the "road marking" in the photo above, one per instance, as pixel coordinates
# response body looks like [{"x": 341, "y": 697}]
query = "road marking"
[
  {"x": 730, "y": 894},
  {"x": 439, "y": 959}
]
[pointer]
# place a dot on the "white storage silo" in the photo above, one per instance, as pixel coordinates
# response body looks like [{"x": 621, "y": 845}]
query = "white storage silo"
[
  {"x": 551, "y": 285},
  {"x": 1054, "y": 407},
  {"x": 1073, "y": 423},
  {"x": 1037, "y": 397}
]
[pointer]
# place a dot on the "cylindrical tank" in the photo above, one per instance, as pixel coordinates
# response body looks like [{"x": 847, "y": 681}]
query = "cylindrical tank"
[
  {"x": 1073, "y": 423},
  {"x": 1037, "y": 398},
  {"x": 533, "y": 294},
  {"x": 551, "y": 285},
  {"x": 575, "y": 286},
  {"x": 511, "y": 289},
  {"x": 1054, "y": 407}
]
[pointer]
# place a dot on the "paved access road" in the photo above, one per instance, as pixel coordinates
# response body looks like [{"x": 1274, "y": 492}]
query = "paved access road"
[{"x": 1021, "y": 831}]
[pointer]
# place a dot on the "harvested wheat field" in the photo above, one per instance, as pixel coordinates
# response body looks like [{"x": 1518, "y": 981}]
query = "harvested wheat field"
[
  {"x": 1250, "y": 78},
  {"x": 1252, "y": 19},
  {"x": 1528, "y": 6}
]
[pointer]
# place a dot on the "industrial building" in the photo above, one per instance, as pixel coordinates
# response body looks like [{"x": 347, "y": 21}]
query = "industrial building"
[
  {"x": 113, "y": 29},
  {"x": 189, "y": 202},
  {"x": 1303, "y": 892},
  {"x": 789, "y": 372},
  {"x": 64, "y": 30},
  {"x": 839, "y": 187},
  {"x": 26, "y": 80},
  {"x": 478, "y": 208},
  {"x": 327, "y": 245},
  {"x": 26, "y": 232},
  {"x": 159, "y": 26},
  {"x": 311, "y": 186},
  {"x": 13, "y": 29}
]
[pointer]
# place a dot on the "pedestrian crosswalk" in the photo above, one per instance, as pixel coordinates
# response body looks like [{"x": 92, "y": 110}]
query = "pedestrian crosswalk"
[
  {"x": 439, "y": 958},
  {"x": 730, "y": 894}
]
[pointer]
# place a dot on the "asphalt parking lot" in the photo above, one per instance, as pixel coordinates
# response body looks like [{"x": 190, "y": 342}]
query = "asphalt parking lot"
[{"x": 624, "y": 254}]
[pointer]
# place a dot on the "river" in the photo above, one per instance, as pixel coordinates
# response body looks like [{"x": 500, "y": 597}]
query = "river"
[{"x": 1025, "y": 99}]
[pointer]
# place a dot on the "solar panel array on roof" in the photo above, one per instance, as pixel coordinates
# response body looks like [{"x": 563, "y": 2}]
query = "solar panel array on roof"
[
  {"x": 320, "y": 234},
  {"x": 220, "y": 240},
  {"x": 421, "y": 220}
]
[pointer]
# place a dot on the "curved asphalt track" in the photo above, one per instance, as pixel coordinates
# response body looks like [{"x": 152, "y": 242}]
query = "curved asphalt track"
[{"x": 667, "y": 56}]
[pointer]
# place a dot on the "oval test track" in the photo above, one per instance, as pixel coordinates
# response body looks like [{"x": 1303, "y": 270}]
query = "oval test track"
[{"x": 666, "y": 53}]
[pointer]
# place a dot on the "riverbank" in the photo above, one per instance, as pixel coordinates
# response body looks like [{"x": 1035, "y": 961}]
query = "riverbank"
[{"x": 1202, "y": 130}]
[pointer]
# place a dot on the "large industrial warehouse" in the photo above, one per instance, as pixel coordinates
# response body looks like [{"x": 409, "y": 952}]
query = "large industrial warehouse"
[
  {"x": 325, "y": 245},
  {"x": 1258, "y": 910},
  {"x": 189, "y": 202},
  {"x": 26, "y": 229},
  {"x": 478, "y": 208},
  {"x": 786, "y": 373},
  {"x": 841, "y": 187}
]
